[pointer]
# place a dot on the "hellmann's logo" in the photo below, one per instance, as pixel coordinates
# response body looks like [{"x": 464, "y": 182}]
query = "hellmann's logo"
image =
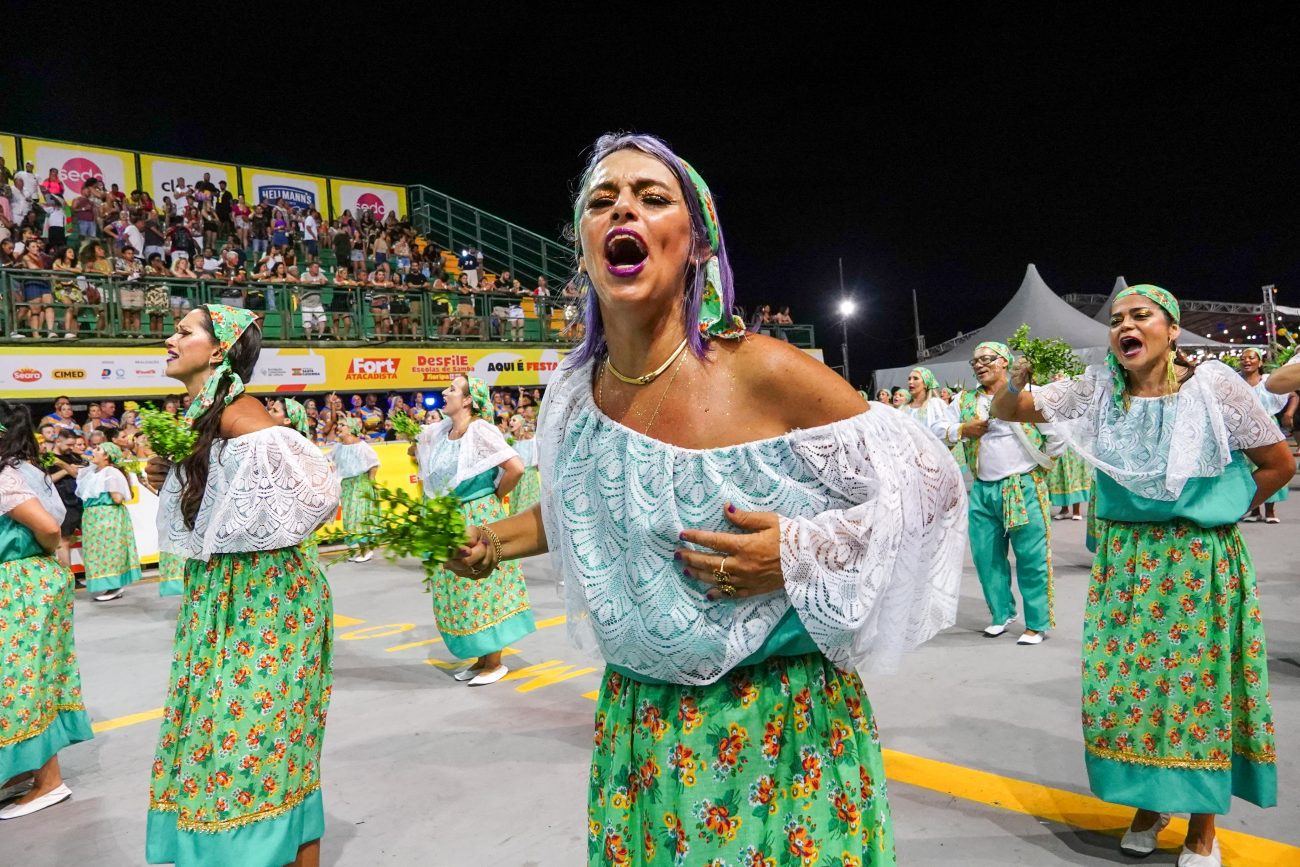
[{"x": 372, "y": 368}]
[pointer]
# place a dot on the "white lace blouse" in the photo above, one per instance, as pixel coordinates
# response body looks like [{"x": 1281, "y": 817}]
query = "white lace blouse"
[
  {"x": 1159, "y": 443},
  {"x": 266, "y": 490},
  {"x": 354, "y": 459},
  {"x": 93, "y": 481},
  {"x": 25, "y": 482},
  {"x": 873, "y": 531},
  {"x": 445, "y": 463}
]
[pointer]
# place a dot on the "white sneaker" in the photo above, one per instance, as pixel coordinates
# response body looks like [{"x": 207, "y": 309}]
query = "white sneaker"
[
  {"x": 993, "y": 630},
  {"x": 365, "y": 558},
  {"x": 466, "y": 674},
  {"x": 1036, "y": 638},
  {"x": 69, "y": 336},
  {"x": 49, "y": 799},
  {"x": 485, "y": 678},
  {"x": 109, "y": 595},
  {"x": 1140, "y": 844},
  {"x": 1188, "y": 858},
  {"x": 14, "y": 335},
  {"x": 1076, "y": 517}
]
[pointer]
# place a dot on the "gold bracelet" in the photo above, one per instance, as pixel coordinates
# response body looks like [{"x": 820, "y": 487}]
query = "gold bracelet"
[{"x": 496, "y": 544}]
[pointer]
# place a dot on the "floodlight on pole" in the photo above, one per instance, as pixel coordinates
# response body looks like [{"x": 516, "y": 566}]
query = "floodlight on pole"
[{"x": 848, "y": 307}]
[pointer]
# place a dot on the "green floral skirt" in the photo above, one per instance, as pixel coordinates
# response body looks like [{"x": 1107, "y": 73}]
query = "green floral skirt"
[
  {"x": 40, "y": 682},
  {"x": 777, "y": 764},
  {"x": 478, "y": 617},
  {"x": 171, "y": 574},
  {"x": 1070, "y": 481},
  {"x": 108, "y": 548},
  {"x": 360, "y": 511},
  {"x": 236, "y": 778},
  {"x": 1176, "y": 712},
  {"x": 527, "y": 493}
]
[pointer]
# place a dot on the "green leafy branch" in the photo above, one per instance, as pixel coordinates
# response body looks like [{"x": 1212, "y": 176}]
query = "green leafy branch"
[
  {"x": 169, "y": 437},
  {"x": 407, "y": 525},
  {"x": 1047, "y": 358},
  {"x": 406, "y": 427}
]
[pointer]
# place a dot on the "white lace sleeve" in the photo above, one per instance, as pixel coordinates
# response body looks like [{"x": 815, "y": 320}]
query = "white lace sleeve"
[
  {"x": 875, "y": 579},
  {"x": 44, "y": 490},
  {"x": 266, "y": 490},
  {"x": 1069, "y": 398},
  {"x": 1249, "y": 424},
  {"x": 115, "y": 483},
  {"x": 14, "y": 490},
  {"x": 482, "y": 449}
]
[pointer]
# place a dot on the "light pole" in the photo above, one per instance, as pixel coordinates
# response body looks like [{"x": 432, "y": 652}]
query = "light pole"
[{"x": 847, "y": 306}]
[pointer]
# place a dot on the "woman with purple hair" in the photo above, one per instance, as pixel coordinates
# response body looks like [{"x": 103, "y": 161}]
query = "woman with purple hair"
[{"x": 738, "y": 537}]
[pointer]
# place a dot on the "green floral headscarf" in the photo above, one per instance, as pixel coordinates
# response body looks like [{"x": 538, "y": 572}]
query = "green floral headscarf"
[
  {"x": 297, "y": 415},
  {"x": 997, "y": 348},
  {"x": 1165, "y": 300},
  {"x": 928, "y": 379},
  {"x": 352, "y": 425},
  {"x": 480, "y": 399},
  {"x": 228, "y": 323},
  {"x": 115, "y": 455}
]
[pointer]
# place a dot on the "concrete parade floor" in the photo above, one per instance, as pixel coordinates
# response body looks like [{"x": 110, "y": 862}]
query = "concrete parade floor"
[{"x": 986, "y": 769}]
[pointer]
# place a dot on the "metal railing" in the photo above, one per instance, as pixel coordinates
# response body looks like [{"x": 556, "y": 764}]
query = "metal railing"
[
  {"x": 947, "y": 346},
  {"x": 455, "y": 225}
]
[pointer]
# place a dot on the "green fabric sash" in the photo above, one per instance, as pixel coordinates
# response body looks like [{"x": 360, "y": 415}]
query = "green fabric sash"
[{"x": 1014, "y": 511}]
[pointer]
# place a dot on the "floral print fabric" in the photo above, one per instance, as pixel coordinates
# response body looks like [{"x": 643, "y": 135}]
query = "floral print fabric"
[
  {"x": 776, "y": 765},
  {"x": 1174, "y": 666}
]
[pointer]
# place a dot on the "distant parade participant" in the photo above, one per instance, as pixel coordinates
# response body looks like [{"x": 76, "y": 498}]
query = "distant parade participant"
[
  {"x": 41, "y": 709},
  {"x": 357, "y": 465},
  {"x": 465, "y": 454},
  {"x": 731, "y": 727},
  {"x": 1274, "y": 404},
  {"x": 1070, "y": 482},
  {"x": 108, "y": 549},
  {"x": 1009, "y": 502},
  {"x": 236, "y": 778},
  {"x": 1176, "y": 710},
  {"x": 900, "y": 398},
  {"x": 924, "y": 403},
  {"x": 528, "y": 491}
]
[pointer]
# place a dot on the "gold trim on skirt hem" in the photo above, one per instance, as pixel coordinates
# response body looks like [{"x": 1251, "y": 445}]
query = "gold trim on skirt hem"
[
  {"x": 1188, "y": 764},
  {"x": 457, "y": 633},
  {"x": 41, "y": 725},
  {"x": 213, "y": 827}
]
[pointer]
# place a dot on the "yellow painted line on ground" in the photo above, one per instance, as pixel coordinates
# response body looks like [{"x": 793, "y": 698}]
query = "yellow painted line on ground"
[
  {"x": 129, "y": 720},
  {"x": 340, "y": 620}
]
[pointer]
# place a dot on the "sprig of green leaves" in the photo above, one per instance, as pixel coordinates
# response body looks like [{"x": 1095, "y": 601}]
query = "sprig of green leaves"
[
  {"x": 1047, "y": 357},
  {"x": 407, "y": 525},
  {"x": 169, "y": 437},
  {"x": 406, "y": 427}
]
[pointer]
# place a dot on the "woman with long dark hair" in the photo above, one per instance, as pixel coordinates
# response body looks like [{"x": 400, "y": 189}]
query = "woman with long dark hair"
[
  {"x": 736, "y": 533},
  {"x": 1176, "y": 711},
  {"x": 236, "y": 779},
  {"x": 41, "y": 711}
]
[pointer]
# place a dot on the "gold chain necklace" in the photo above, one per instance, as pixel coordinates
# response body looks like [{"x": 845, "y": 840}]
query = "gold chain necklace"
[
  {"x": 600, "y": 394},
  {"x": 649, "y": 377}
]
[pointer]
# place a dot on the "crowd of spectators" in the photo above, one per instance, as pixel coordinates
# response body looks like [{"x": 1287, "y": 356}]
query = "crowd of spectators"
[{"x": 249, "y": 253}]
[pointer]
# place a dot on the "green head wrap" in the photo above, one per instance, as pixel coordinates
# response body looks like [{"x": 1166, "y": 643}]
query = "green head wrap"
[
  {"x": 297, "y": 415},
  {"x": 999, "y": 349},
  {"x": 930, "y": 381},
  {"x": 480, "y": 399},
  {"x": 115, "y": 456},
  {"x": 228, "y": 323},
  {"x": 352, "y": 425},
  {"x": 1165, "y": 300}
]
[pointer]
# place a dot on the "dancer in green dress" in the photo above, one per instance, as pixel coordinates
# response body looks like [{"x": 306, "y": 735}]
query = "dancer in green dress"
[
  {"x": 236, "y": 777},
  {"x": 107, "y": 535},
  {"x": 467, "y": 455},
  {"x": 727, "y": 546},
  {"x": 529, "y": 490},
  {"x": 357, "y": 464},
  {"x": 1176, "y": 712},
  {"x": 41, "y": 710}
]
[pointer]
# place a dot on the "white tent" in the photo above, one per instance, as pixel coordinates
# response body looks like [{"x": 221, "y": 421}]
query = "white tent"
[{"x": 1035, "y": 305}]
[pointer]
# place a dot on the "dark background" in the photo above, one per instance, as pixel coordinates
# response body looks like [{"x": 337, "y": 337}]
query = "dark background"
[{"x": 934, "y": 155}]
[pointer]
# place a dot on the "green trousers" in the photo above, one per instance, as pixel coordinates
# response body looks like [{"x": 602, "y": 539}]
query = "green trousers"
[{"x": 988, "y": 546}]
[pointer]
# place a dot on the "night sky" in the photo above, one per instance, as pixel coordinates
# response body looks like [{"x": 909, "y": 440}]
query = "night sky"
[{"x": 938, "y": 157}]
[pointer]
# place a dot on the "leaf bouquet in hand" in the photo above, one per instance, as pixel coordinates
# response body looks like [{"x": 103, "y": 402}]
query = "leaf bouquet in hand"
[
  {"x": 407, "y": 525},
  {"x": 406, "y": 427},
  {"x": 1047, "y": 358},
  {"x": 170, "y": 437}
]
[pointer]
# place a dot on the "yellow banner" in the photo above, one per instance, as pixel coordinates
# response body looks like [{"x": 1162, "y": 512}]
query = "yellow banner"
[
  {"x": 159, "y": 175},
  {"x": 271, "y": 185},
  {"x": 358, "y": 196},
  {"x": 78, "y": 163},
  {"x": 34, "y": 373},
  {"x": 9, "y": 150}
]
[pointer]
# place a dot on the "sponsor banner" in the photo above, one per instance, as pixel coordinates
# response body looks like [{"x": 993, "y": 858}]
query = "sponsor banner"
[
  {"x": 300, "y": 191},
  {"x": 159, "y": 175},
  {"x": 9, "y": 150},
  {"x": 77, "y": 163},
  {"x": 358, "y": 196}
]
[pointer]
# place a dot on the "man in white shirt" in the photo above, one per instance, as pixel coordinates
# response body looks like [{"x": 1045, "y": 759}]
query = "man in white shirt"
[
  {"x": 313, "y": 309},
  {"x": 133, "y": 235},
  {"x": 30, "y": 187},
  {"x": 311, "y": 234},
  {"x": 1009, "y": 501}
]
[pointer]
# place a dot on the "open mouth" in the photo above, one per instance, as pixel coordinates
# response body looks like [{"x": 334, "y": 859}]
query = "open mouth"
[
  {"x": 1130, "y": 347},
  {"x": 625, "y": 252}
]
